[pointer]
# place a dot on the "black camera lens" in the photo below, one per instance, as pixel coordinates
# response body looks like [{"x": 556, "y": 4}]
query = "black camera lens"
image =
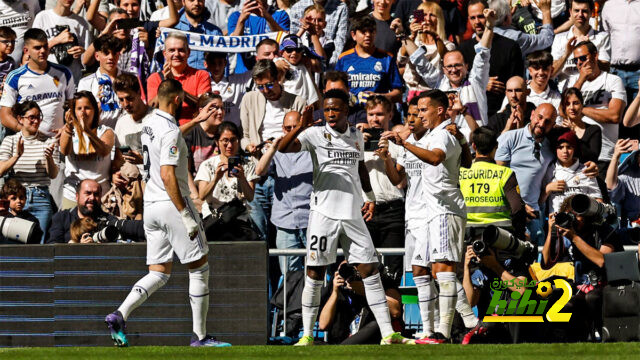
[{"x": 564, "y": 220}]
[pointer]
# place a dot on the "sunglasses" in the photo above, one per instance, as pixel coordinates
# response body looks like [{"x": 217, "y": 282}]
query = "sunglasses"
[
  {"x": 288, "y": 50},
  {"x": 580, "y": 59},
  {"x": 267, "y": 86}
]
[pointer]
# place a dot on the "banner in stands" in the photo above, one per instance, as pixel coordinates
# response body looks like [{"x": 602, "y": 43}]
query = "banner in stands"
[{"x": 211, "y": 43}]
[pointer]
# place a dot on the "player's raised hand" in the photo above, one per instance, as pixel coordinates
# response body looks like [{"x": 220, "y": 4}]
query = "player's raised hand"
[
  {"x": 307, "y": 117},
  {"x": 367, "y": 210}
]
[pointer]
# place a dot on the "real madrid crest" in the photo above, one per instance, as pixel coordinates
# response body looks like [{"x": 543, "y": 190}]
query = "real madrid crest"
[
  {"x": 328, "y": 137},
  {"x": 378, "y": 66}
]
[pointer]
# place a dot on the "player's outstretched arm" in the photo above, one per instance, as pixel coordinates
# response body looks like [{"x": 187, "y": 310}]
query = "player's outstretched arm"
[{"x": 290, "y": 142}]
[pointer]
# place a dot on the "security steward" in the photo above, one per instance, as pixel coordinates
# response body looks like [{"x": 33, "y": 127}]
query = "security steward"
[{"x": 491, "y": 191}]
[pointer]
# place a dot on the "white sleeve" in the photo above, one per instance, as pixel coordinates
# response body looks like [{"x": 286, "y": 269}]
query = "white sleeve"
[
  {"x": 604, "y": 51},
  {"x": 206, "y": 171},
  {"x": 169, "y": 148},
  {"x": 617, "y": 88},
  {"x": 306, "y": 139},
  {"x": 9, "y": 93},
  {"x": 558, "y": 47},
  {"x": 442, "y": 142}
]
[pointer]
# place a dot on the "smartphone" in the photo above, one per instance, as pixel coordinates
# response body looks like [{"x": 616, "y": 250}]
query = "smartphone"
[
  {"x": 124, "y": 149},
  {"x": 233, "y": 162},
  {"x": 127, "y": 24},
  {"x": 262, "y": 144},
  {"x": 418, "y": 16},
  {"x": 634, "y": 145}
]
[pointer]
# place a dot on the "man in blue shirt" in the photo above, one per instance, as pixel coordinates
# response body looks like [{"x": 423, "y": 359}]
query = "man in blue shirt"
[
  {"x": 291, "y": 195},
  {"x": 371, "y": 71},
  {"x": 193, "y": 19},
  {"x": 254, "y": 19}
]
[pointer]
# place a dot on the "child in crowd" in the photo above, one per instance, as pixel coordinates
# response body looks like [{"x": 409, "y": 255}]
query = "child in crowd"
[
  {"x": 565, "y": 177},
  {"x": 297, "y": 78},
  {"x": 14, "y": 196},
  {"x": 7, "y": 45}
]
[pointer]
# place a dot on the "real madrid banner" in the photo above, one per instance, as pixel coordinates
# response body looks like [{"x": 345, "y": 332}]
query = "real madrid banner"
[{"x": 212, "y": 43}]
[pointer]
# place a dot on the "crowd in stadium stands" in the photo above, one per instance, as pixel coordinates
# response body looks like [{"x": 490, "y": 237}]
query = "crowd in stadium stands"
[{"x": 551, "y": 92}]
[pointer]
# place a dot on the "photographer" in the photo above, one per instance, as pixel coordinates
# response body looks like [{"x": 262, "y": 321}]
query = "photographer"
[
  {"x": 346, "y": 316},
  {"x": 88, "y": 197},
  {"x": 582, "y": 239},
  {"x": 387, "y": 226},
  {"x": 227, "y": 182},
  {"x": 479, "y": 273}
]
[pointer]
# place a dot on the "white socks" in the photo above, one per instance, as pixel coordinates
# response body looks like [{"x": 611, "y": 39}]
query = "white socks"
[
  {"x": 447, "y": 299},
  {"x": 463, "y": 307},
  {"x": 427, "y": 296},
  {"x": 377, "y": 301},
  {"x": 199, "y": 298},
  {"x": 310, "y": 304},
  {"x": 141, "y": 291}
]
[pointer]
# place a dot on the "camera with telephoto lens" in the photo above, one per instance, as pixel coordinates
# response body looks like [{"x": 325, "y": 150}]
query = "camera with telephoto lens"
[
  {"x": 348, "y": 272},
  {"x": 501, "y": 239},
  {"x": 565, "y": 220},
  {"x": 18, "y": 229},
  {"x": 107, "y": 230},
  {"x": 588, "y": 207},
  {"x": 374, "y": 139}
]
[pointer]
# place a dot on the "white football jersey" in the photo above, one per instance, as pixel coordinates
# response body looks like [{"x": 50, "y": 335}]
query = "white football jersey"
[
  {"x": 232, "y": 89},
  {"x": 415, "y": 206},
  {"x": 163, "y": 144},
  {"x": 440, "y": 184},
  {"x": 50, "y": 90},
  {"x": 336, "y": 182}
]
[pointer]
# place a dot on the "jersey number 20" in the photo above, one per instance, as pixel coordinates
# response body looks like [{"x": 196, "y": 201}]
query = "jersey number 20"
[{"x": 318, "y": 243}]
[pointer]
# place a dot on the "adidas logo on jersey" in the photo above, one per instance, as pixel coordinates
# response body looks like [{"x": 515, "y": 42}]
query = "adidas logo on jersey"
[
  {"x": 351, "y": 69},
  {"x": 418, "y": 257},
  {"x": 30, "y": 86}
]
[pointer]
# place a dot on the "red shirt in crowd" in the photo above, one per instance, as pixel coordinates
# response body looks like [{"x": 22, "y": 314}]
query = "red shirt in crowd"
[{"x": 195, "y": 82}]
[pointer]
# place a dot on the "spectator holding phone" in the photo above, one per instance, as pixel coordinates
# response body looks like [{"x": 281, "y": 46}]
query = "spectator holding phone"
[
  {"x": 87, "y": 147},
  {"x": 426, "y": 30},
  {"x": 255, "y": 18},
  {"x": 31, "y": 158},
  {"x": 227, "y": 182}
]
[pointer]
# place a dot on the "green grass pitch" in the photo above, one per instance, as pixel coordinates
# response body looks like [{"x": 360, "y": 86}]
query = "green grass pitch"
[{"x": 325, "y": 352}]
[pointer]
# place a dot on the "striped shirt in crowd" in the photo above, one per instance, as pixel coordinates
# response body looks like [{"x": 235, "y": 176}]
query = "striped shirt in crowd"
[{"x": 30, "y": 169}]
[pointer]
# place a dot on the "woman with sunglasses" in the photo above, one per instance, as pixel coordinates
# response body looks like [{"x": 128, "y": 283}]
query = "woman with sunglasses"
[
  {"x": 589, "y": 136},
  {"x": 226, "y": 182},
  {"x": 88, "y": 147},
  {"x": 30, "y": 157}
]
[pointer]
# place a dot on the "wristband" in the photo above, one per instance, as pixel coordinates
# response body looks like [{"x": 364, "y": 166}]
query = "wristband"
[{"x": 370, "y": 197}]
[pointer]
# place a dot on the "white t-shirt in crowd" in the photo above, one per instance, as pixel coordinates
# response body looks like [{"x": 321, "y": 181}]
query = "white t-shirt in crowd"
[
  {"x": 300, "y": 82},
  {"x": 380, "y": 183},
  {"x": 227, "y": 188},
  {"x": 599, "y": 38},
  {"x": 273, "y": 118},
  {"x": 440, "y": 184},
  {"x": 415, "y": 206},
  {"x": 81, "y": 167},
  {"x": 597, "y": 94},
  {"x": 337, "y": 192},
  {"x": 50, "y": 90},
  {"x": 163, "y": 144},
  {"x": 576, "y": 181},
  {"x": 232, "y": 89},
  {"x": 48, "y": 21},
  {"x": 19, "y": 16},
  {"x": 101, "y": 86}
]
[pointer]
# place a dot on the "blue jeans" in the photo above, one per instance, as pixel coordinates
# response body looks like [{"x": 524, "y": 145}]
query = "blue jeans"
[
  {"x": 291, "y": 239},
  {"x": 260, "y": 211},
  {"x": 630, "y": 81},
  {"x": 536, "y": 231},
  {"x": 39, "y": 204}
]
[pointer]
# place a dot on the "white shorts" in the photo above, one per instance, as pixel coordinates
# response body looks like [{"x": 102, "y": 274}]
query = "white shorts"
[
  {"x": 323, "y": 235},
  {"x": 416, "y": 238},
  {"x": 166, "y": 234},
  {"x": 446, "y": 238}
]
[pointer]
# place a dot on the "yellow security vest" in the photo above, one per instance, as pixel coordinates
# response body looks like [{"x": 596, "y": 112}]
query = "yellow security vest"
[{"x": 483, "y": 189}]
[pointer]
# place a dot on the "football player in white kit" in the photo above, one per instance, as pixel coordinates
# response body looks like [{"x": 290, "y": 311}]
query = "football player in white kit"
[
  {"x": 443, "y": 237},
  {"x": 171, "y": 222},
  {"x": 339, "y": 178},
  {"x": 409, "y": 166}
]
